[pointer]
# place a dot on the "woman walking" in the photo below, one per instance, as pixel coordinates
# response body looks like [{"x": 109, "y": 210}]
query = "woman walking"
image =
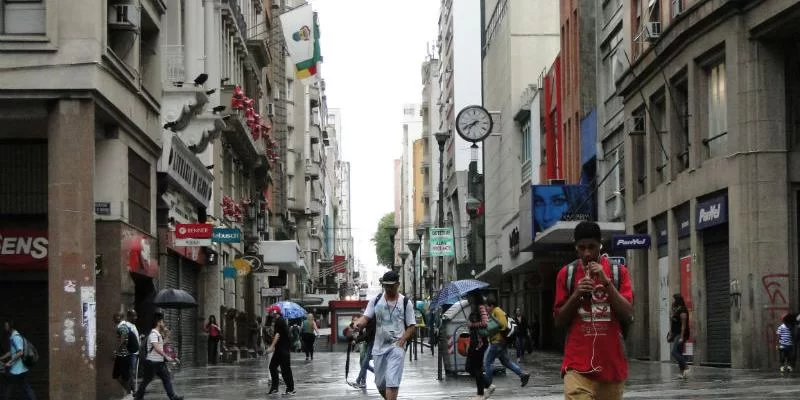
[
  {"x": 478, "y": 319},
  {"x": 679, "y": 333},
  {"x": 309, "y": 333},
  {"x": 214, "y": 336},
  {"x": 522, "y": 338}
]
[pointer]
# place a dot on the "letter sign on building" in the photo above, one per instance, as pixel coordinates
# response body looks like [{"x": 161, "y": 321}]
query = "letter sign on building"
[
  {"x": 629, "y": 242},
  {"x": 23, "y": 247},
  {"x": 712, "y": 212}
]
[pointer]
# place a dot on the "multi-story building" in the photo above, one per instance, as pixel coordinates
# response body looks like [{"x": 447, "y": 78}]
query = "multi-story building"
[
  {"x": 421, "y": 191},
  {"x": 712, "y": 172},
  {"x": 459, "y": 44},
  {"x": 412, "y": 130},
  {"x": 80, "y": 144},
  {"x": 430, "y": 168},
  {"x": 520, "y": 40}
]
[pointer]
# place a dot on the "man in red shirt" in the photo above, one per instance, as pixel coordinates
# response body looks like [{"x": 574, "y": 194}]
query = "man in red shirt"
[{"x": 594, "y": 367}]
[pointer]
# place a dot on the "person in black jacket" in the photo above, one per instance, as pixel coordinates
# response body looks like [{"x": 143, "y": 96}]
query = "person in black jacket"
[
  {"x": 521, "y": 337},
  {"x": 282, "y": 354}
]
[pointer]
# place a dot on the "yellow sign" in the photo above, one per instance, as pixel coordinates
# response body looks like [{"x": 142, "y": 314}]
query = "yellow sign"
[{"x": 242, "y": 266}]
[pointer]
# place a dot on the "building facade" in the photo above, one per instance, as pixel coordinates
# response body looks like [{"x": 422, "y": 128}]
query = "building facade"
[
  {"x": 430, "y": 188},
  {"x": 712, "y": 174},
  {"x": 459, "y": 44}
]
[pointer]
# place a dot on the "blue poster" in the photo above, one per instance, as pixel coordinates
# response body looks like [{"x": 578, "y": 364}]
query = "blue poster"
[{"x": 553, "y": 203}]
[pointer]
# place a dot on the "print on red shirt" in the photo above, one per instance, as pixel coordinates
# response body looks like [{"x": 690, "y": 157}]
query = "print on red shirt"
[{"x": 595, "y": 328}]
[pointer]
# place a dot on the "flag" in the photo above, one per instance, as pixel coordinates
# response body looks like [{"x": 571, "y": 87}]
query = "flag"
[
  {"x": 301, "y": 33},
  {"x": 339, "y": 264}
]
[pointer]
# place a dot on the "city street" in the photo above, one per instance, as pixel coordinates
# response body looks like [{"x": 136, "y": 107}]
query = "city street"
[{"x": 324, "y": 379}]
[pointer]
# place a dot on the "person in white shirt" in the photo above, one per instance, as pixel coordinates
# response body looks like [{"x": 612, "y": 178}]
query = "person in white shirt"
[
  {"x": 156, "y": 361},
  {"x": 130, "y": 322}
]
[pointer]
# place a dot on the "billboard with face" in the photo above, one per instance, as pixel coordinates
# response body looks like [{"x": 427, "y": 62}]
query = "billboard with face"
[{"x": 553, "y": 203}]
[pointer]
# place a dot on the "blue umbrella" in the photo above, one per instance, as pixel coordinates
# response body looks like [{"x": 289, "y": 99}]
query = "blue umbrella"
[
  {"x": 456, "y": 289},
  {"x": 290, "y": 310}
]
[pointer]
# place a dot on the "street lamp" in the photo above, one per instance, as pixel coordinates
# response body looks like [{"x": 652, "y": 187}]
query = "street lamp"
[
  {"x": 441, "y": 139},
  {"x": 392, "y": 233},
  {"x": 418, "y": 274},
  {"x": 473, "y": 205},
  {"x": 403, "y": 256}
]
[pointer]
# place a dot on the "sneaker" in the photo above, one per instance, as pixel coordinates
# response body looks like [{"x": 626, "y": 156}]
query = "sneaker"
[
  {"x": 490, "y": 389},
  {"x": 290, "y": 392},
  {"x": 783, "y": 369},
  {"x": 789, "y": 368},
  {"x": 524, "y": 379},
  {"x": 273, "y": 391},
  {"x": 362, "y": 385}
]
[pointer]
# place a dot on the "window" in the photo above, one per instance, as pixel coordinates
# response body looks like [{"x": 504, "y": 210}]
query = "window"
[
  {"x": 290, "y": 89},
  {"x": 659, "y": 144},
  {"x": 148, "y": 56},
  {"x": 613, "y": 164},
  {"x": 526, "y": 142},
  {"x": 716, "y": 140},
  {"x": 290, "y": 188},
  {"x": 639, "y": 152},
  {"x": 138, "y": 191},
  {"x": 408, "y": 111},
  {"x": 22, "y": 17},
  {"x": 290, "y": 138},
  {"x": 680, "y": 125}
]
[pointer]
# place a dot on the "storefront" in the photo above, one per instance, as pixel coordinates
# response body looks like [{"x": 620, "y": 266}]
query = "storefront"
[{"x": 712, "y": 225}]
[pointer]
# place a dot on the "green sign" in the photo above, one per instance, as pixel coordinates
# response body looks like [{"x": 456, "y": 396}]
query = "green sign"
[{"x": 441, "y": 244}]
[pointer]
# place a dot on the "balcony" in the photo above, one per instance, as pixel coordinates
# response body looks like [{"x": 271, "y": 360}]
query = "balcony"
[
  {"x": 312, "y": 170},
  {"x": 232, "y": 12},
  {"x": 257, "y": 44},
  {"x": 237, "y": 132},
  {"x": 314, "y": 133},
  {"x": 313, "y": 95},
  {"x": 314, "y": 208}
]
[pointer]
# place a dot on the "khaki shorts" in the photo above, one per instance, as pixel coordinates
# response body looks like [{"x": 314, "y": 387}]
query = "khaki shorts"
[{"x": 579, "y": 387}]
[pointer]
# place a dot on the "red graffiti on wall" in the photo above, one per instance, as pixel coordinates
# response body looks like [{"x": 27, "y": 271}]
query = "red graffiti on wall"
[{"x": 774, "y": 284}]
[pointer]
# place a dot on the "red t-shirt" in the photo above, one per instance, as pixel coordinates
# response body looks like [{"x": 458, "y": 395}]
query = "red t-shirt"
[{"x": 608, "y": 351}]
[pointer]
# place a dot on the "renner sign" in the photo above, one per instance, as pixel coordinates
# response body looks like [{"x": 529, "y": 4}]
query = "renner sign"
[
  {"x": 23, "y": 247},
  {"x": 627, "y": 242}
]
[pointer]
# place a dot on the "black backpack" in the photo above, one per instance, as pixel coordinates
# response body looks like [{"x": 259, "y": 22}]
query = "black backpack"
[
  {"x": 30, "y": 356},
  {"x": 132, "y": 343},
  {"x": 615, "y": 267}
]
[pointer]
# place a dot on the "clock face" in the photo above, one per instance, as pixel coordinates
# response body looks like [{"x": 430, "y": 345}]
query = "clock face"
[{"x": 474, "y": 123}]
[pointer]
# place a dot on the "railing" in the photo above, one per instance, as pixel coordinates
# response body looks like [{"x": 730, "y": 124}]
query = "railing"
[{"x": 174, "y": 67}]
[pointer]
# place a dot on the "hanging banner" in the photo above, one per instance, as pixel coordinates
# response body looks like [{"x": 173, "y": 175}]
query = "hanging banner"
[{"x": 301, "y": 33}]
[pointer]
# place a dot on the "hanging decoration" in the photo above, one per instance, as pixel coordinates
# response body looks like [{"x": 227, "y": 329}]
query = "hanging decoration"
[{"x": 231, "y": 209}]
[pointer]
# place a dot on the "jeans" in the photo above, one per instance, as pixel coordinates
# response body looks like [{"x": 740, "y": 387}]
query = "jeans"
[
  {"x": 134, "y": 358},
  {"x": 677, "y": 353},
  {"x": 213, "y": 350},
  {"x": 152, "y": 369},
  {"x": 15, "y": 383},
  {"x": 497, "y": 351},
  {"x": 362, "y": 375},
  {"x": 281, "y": 359},
  {"x": 308, "y": 344},
  {"x": 520, "y": 345},
  {"x": 786, "y": 355}
]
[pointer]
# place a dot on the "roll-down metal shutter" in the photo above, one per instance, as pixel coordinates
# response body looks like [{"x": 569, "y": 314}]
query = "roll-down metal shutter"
[
  {"x": 188, "y": 329},
  {"x": 718, "y": 318},
  {"x": 171, "y": 316}
]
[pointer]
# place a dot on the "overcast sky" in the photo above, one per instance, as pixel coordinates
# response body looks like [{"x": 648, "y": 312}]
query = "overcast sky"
[{"x": 372, "y": 54}]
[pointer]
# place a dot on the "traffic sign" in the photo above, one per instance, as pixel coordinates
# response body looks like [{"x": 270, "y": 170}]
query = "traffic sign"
[
  {"x": 441, "y": 242},
  {"x": 193, "y": 231},
  {"x": 226, "y": 235}
]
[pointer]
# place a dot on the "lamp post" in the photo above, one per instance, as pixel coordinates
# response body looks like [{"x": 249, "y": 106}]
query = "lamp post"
[
  {"x": 392, "y": 233},
  {"x": 441, "y": 140},
  {"x": 403, "y": 256},
  {"x": 473, "y": 205},
  {"x": 418, "y": 274}
]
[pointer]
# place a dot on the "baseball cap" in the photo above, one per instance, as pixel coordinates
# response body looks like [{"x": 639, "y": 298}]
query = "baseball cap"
[{"x": 390, "y": 278}]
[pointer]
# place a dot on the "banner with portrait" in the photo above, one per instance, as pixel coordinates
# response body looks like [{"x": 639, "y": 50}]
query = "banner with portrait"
[{"x": 554, "y": 203}]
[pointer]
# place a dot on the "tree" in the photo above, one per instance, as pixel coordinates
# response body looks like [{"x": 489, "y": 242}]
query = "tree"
[{"x": 384, "y": 248}]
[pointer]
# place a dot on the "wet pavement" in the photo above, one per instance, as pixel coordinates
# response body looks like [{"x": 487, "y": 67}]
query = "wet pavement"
[{"x": 324, "y": 379}]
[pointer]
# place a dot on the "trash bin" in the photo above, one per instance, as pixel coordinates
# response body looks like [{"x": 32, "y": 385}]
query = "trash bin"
[{"x": 454, "y": 336}]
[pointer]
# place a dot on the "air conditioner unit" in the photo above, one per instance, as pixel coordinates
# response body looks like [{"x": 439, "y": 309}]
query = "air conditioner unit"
[
  {"x": 123, "y": 16},
  {"x": 652, "y": 30},
  {"x": 270, "y": 109},
  {"x": 276, "y": 3},
  {"x": 677, "y": 7}
]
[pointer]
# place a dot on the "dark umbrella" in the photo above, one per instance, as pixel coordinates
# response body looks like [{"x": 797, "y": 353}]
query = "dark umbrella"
[
  {"x": 347, "y": 362},
  {"x": 174, "y": 298}
]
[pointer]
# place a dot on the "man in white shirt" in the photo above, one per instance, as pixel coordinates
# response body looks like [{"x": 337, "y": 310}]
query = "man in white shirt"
[
  {"x": 156, "y": 361},
  {"x": 395, "y": 323},
  {"x": 130, "y": 323}
]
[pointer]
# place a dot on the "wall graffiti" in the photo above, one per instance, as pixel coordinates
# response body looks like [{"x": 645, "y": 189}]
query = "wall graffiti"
[{"x": 775, "y": 287}]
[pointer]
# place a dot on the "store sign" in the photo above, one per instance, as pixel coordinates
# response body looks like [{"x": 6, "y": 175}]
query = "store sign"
[
  {"x": 102, "y": 208},
  {"x": 193, "y": 231},
  {"x": 441, "y": 242},
  {"x": 712, "y": 212},
  {"x": 226, "y": 235},
  {"x": 140, "y": 256},
  {"x": 270, "y": 270},
  {"x": 271, "y": 292},
  {"x": 630, "y": 242},
  {"x": 185, "y": 170},
  {"x": 23, "y": 247},
  {"x": 684, "y": 226},
  {"x": 192, "y": 242},
  {"x": 197, "y": 254}
]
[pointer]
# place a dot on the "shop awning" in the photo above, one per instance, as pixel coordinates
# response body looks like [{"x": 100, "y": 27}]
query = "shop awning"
[{"x": 560, "y": 234}]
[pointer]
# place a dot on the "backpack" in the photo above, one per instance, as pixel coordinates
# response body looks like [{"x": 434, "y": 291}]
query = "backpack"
[
  {"x": 29, "y": 354},
  {"x": 133, "y": 342},
  {"x": 615, "y": 265},
  {"x": 405, "y": 305}
]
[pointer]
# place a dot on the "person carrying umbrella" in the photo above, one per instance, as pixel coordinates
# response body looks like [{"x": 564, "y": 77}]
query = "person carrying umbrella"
[
  {"x": 281, "y": 353},
  {"x": 395, "y": 324}
]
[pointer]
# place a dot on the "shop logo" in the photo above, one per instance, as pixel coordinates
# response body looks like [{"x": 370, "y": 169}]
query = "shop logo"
[
  {"x": 631, "y": 242},
  {"x": 714, "y": 212},
  {"x": 33, "y": 247}
]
